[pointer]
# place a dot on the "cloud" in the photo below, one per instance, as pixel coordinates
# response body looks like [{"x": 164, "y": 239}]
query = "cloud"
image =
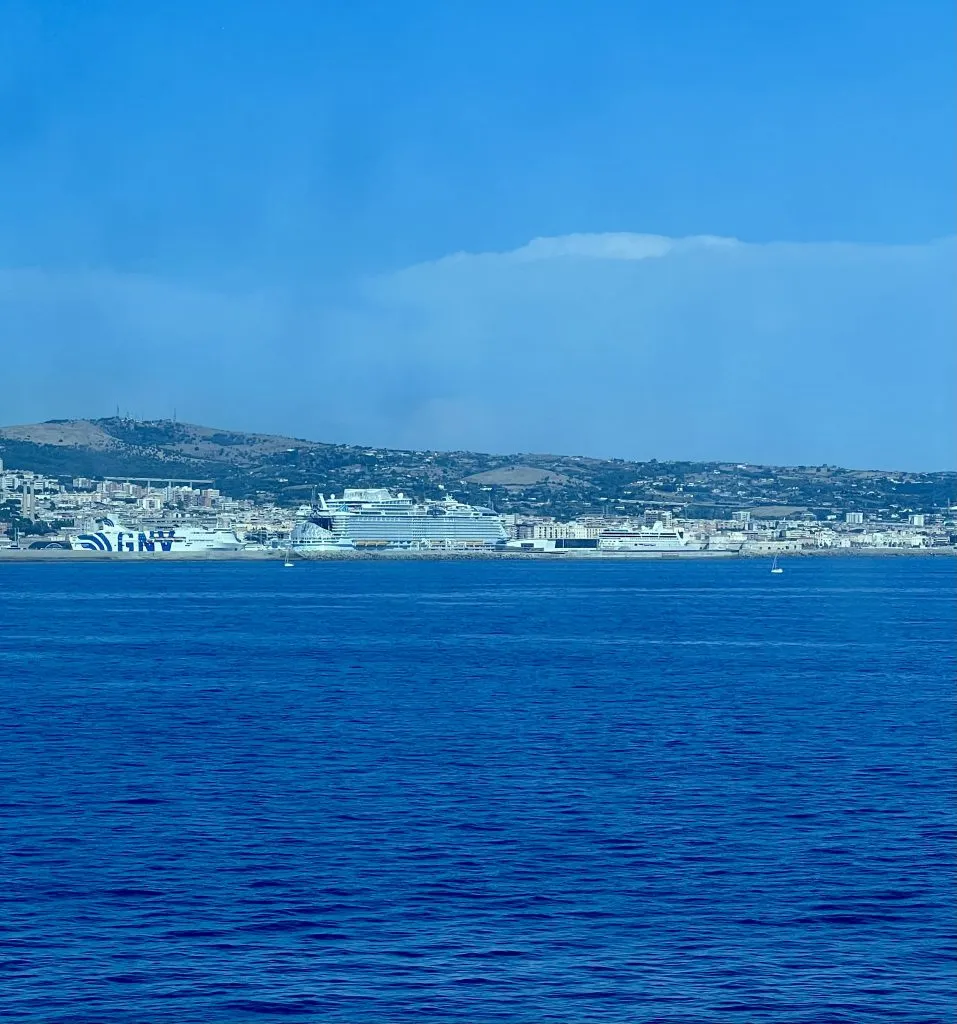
[
  {"x": 610, "y": 344},
  {"x": 612, "y": 246}
]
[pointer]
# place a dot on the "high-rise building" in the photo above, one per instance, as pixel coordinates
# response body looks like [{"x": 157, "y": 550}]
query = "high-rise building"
[
  {"x": 653, "y": 516},
  {"x": 28, "y": 502},
  {"x": 854, "y": 518}
]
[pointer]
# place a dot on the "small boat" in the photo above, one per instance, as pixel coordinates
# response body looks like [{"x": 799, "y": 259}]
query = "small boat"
[
  {"x": 775, "y": 568},
  {"x": 288, "y": 563}
]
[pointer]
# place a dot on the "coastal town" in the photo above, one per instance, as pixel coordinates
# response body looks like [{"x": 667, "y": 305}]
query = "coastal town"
[{"x": 40, "y": 512}]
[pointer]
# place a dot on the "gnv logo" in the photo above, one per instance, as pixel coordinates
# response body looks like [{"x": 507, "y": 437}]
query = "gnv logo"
[{"x": 147, "y": 543}]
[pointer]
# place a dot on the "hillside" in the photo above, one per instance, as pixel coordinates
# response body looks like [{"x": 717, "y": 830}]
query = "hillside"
[{"x": 287, "y": 469}]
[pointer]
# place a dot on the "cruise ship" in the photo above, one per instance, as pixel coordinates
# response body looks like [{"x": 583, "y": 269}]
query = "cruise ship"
[
  {"x": 373, "y": 518},
  {"x": 107, "y": 535}
]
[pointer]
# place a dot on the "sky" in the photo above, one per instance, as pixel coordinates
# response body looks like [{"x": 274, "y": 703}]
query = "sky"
[{"x": 693, "y": 230}]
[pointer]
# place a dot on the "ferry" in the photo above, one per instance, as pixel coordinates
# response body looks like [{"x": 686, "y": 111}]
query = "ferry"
[
  {"x": 374, "y": 518},
  {"x": 657, "y": 539},
  {"x": 107, "y": 535}
]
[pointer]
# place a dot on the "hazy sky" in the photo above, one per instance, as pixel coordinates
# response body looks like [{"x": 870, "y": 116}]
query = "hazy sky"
[{"x": 674, "y": 230}]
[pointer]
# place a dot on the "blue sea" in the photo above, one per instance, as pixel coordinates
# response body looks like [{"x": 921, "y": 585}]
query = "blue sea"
[{"x": 478, "y": 791}]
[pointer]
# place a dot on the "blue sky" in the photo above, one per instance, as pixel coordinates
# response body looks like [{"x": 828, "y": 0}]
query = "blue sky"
[{"x": 219, "y": 207}]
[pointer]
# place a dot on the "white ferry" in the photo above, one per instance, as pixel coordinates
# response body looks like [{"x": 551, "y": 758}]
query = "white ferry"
[
  {"x": 657, "y": 539},
  {"x": 375, "y": 518},
  {"x": 108, "y": 536}
]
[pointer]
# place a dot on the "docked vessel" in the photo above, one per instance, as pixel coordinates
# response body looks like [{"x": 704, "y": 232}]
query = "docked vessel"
[
  {"x": 310, "y": 539},
  {"x": 108, "y": 536},
  {"x": 657, "y": 539},
  {"x": 375, "y": 518}
]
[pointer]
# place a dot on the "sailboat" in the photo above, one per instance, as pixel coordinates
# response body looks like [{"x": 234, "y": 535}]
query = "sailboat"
[
  {"x": 288, "y": 563},
  {"x": 775, "y": 568}
]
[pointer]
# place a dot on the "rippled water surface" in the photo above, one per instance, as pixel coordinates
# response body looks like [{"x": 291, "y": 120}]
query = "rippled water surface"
[{"x": 488, "y": 791}]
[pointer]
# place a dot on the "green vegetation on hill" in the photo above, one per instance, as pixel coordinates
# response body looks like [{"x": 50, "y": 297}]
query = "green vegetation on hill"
[{"x": 288, "y": 469}]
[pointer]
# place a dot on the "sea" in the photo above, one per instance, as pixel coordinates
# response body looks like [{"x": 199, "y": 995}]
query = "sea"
[{"x": 517, "y": 790}]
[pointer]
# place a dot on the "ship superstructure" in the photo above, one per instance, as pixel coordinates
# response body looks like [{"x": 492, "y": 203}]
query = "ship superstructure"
[{"x": 375, "y": 518}]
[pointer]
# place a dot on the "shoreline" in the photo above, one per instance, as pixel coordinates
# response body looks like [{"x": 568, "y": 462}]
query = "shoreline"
[{"x": 46, "y": 555}]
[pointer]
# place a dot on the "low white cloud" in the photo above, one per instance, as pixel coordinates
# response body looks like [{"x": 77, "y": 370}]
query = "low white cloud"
[
  {"x": 613, "y": 246},
  {"x": 612, "y": 344}
]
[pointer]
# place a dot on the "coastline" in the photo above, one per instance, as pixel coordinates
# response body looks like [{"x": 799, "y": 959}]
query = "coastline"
[{"x": 47, "y": 555}]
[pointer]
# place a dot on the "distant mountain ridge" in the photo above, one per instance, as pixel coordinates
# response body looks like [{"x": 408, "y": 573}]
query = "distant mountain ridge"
[{"x": 287, "y": 469}]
